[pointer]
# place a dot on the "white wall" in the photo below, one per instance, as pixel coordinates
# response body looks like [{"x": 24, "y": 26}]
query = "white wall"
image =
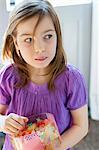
[
  {"x": 3, "y": 20},
  {"x": 76, "y": 28}
]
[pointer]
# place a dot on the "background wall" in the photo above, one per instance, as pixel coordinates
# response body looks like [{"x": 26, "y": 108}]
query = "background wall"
[
  {"x": 3, "y": 21},
  {"x": 76, "y": 29}
]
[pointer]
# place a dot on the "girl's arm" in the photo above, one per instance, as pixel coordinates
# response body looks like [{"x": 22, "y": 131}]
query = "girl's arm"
[
  {"x": 78, "y": 130},
  {"x": 3, "y": 109}
]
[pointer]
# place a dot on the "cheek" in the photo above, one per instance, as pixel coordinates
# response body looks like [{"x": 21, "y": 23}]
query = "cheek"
[
  {"x": 24, "y": 49},
  {"x": 53, "y": 47},
  {"x": 52, "y": 43},
  {"x": 25, "y": 52}
]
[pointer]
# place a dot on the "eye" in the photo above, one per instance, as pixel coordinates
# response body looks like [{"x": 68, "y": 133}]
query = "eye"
[
  {"x": 49, "y": 36},
  {"x": 28, "y": 40}
]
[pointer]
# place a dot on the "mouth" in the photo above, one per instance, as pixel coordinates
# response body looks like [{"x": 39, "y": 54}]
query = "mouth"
[{"x": 41, "y": 58}]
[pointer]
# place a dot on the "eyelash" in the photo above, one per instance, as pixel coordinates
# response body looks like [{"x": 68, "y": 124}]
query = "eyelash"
[
  {"x": 28, "y": 40},
  {"x": 46, "y": 37}
]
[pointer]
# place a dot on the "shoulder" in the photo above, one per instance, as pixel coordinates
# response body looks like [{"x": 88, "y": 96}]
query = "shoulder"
[
  {"x": 73, "y": 73},
  {"x": 7, "y": 81},
  {"x": 71, "y": 78},
  {"x": 70, "y": 73},
  {"x": 7, "y": 73},
  {"x": 74, "y": 80},
  {"x": 77, "y": 91},
  {"x": 7, "y": 70}
]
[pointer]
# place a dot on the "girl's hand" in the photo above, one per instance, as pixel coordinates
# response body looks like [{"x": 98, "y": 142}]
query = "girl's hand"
[
  {"x": 49, "y": 147},
  {"x": 57, "y": 145},
  {"x": 13, "y": 123}
]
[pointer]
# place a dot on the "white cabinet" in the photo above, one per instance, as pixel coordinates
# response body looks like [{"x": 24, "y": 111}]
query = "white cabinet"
[{"x": 94, "y": 73}]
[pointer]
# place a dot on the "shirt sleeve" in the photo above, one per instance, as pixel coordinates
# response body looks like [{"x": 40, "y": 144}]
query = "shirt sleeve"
[
  {"x": 5, "y": 86},
  {"x": 77, "y": 91}
]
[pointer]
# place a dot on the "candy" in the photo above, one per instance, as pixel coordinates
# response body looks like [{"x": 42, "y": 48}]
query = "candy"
[{"x": 42, "y": 131}]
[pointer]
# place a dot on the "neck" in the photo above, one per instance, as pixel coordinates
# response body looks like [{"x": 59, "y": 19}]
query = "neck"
[
  {"x": 38, "y": 75},
  {"x": 37, "y": 71}
]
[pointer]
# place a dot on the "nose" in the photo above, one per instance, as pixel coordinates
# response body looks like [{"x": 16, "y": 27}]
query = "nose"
[{"x": 38, "y": 45}]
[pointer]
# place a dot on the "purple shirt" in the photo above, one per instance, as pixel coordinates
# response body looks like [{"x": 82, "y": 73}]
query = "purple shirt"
[{"x": 70, "y": 94}]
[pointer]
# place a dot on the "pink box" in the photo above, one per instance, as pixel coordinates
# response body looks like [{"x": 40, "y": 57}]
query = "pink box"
[{"x": 41, "y": 130}]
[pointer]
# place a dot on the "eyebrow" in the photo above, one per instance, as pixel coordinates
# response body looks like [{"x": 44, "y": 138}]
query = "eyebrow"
[
  {"x": 28, "y": 34},
  {"x": 25, "y": 34},
  {"x": 49, "y": 30}
]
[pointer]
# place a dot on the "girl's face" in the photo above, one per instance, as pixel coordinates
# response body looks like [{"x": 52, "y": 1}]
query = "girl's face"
[{"x": 37, "y": 48}]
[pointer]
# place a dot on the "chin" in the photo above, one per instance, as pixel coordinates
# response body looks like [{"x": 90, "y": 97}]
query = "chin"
[{"x": 40, "y": 66}]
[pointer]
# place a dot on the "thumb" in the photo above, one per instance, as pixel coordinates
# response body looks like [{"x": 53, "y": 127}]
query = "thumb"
[{"x": 25, "y": 119}]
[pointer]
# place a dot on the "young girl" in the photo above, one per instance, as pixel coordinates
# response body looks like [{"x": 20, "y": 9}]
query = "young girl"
[{"x": 39, "y": 79}]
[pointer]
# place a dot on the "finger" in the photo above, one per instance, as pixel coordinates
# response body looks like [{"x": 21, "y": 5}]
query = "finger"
[
  {"x": 10, "y": 132},
  {"x": 20, "y": 119},
  {"x": 12, "y": 128},
  {"x": 14, "y": 124},
  {"x": 25, "y": 119}
]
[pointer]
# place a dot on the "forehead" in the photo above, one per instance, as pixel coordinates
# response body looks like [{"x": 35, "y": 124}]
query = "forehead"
[{"x": 28, "y": 25}]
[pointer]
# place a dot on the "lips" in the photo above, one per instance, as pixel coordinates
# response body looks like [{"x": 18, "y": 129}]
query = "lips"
[{"x": 41, "y": 58}]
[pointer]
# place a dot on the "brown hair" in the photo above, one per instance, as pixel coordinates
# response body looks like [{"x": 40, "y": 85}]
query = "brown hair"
[{"x": 21, "y": 12}]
